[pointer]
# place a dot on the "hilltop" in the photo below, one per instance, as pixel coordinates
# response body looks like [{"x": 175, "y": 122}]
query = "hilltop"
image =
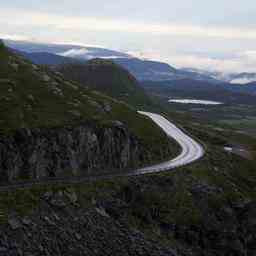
[{"x": 108, "y": 77}]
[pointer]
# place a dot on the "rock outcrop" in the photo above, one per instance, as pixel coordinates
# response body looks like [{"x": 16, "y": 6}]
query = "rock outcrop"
[
  {"x": 59, "y": 152},
  {"x": 51, "y": 127}
]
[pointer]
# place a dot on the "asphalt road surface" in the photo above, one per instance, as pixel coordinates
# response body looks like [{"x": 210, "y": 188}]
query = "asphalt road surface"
[{"x": 191, "y": 150}]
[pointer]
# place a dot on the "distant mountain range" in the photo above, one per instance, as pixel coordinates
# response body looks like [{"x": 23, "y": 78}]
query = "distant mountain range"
[
  {"x": 46, "y": 58},
  {"x": 143, "y": 70},
  {"x": 73, "y": 51}
]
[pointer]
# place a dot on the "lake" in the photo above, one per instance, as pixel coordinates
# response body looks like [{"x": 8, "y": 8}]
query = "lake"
[{"x": 191, "y": 101}]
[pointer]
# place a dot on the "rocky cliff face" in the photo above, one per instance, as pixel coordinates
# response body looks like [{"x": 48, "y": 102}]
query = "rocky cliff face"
[{"x": 58, "y": 152}]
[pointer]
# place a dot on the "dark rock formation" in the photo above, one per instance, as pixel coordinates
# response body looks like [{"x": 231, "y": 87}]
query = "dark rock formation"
[
  {"x": 69, "y": 229},
  {"x": 40, "y": 153}
]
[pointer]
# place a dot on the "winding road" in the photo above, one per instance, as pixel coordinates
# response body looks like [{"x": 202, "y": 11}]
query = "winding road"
[{"x": 191, "y": 151}]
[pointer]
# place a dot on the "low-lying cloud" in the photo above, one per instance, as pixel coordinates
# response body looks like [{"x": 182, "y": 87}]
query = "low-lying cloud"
[
  {"x": 74, "y": 52},
  {"x": 236, "y": 63},
  {"x": 242, "y": 80}
]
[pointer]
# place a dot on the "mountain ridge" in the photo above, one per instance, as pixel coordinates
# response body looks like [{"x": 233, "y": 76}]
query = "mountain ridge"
[
  {"x": 141, "y": 69},
  {"x": 54, "y": 127},
  {"x": 109, "y": 78}
]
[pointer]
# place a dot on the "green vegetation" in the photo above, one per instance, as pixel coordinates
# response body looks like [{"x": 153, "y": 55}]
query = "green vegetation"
[
  {"x": 186, "y": 205},
  {"x": 194, "y": 199},
  {"x": 240, "y": 123},
  {"x": 109, "y": 78},
  {"x": 34, "y": 97}
]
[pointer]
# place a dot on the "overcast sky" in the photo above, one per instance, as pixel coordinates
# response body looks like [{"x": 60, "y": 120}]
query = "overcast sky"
[{"x": 216, "y": 35}]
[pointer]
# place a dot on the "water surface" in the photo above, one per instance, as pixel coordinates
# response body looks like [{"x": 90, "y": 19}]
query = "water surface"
[{"x": 199, "y": 102}]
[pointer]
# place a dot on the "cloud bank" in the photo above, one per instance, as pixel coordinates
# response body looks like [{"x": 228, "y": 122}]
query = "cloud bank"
[
  {"x": 74, "y": 52},
  {"x": 27, "y": 23},
  {"x": 28, "y": 18},
  {"x": 233, "y": 63}
]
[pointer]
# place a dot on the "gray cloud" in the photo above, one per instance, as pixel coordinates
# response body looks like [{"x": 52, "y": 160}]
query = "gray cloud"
[{"x": 193, "y": 33}]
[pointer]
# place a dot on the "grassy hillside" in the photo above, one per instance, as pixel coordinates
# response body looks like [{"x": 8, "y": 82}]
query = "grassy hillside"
[
  {"x": 109, "y": 78},
  {"x": 36, "y": 97},
  {"x": 207, "y": 208}
]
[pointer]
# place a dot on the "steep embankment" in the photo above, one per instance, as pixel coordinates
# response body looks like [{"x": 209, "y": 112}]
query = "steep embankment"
[
  {"x": 53, "y": 127},
  {"x": 204, "y": 209},
  {"x": 109, "y": 78}
]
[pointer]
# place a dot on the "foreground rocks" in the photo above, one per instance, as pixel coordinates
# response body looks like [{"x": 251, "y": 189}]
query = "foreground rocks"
[
  {"x": 68, "y": 229},
  {"x": 164, "y": 214}
]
